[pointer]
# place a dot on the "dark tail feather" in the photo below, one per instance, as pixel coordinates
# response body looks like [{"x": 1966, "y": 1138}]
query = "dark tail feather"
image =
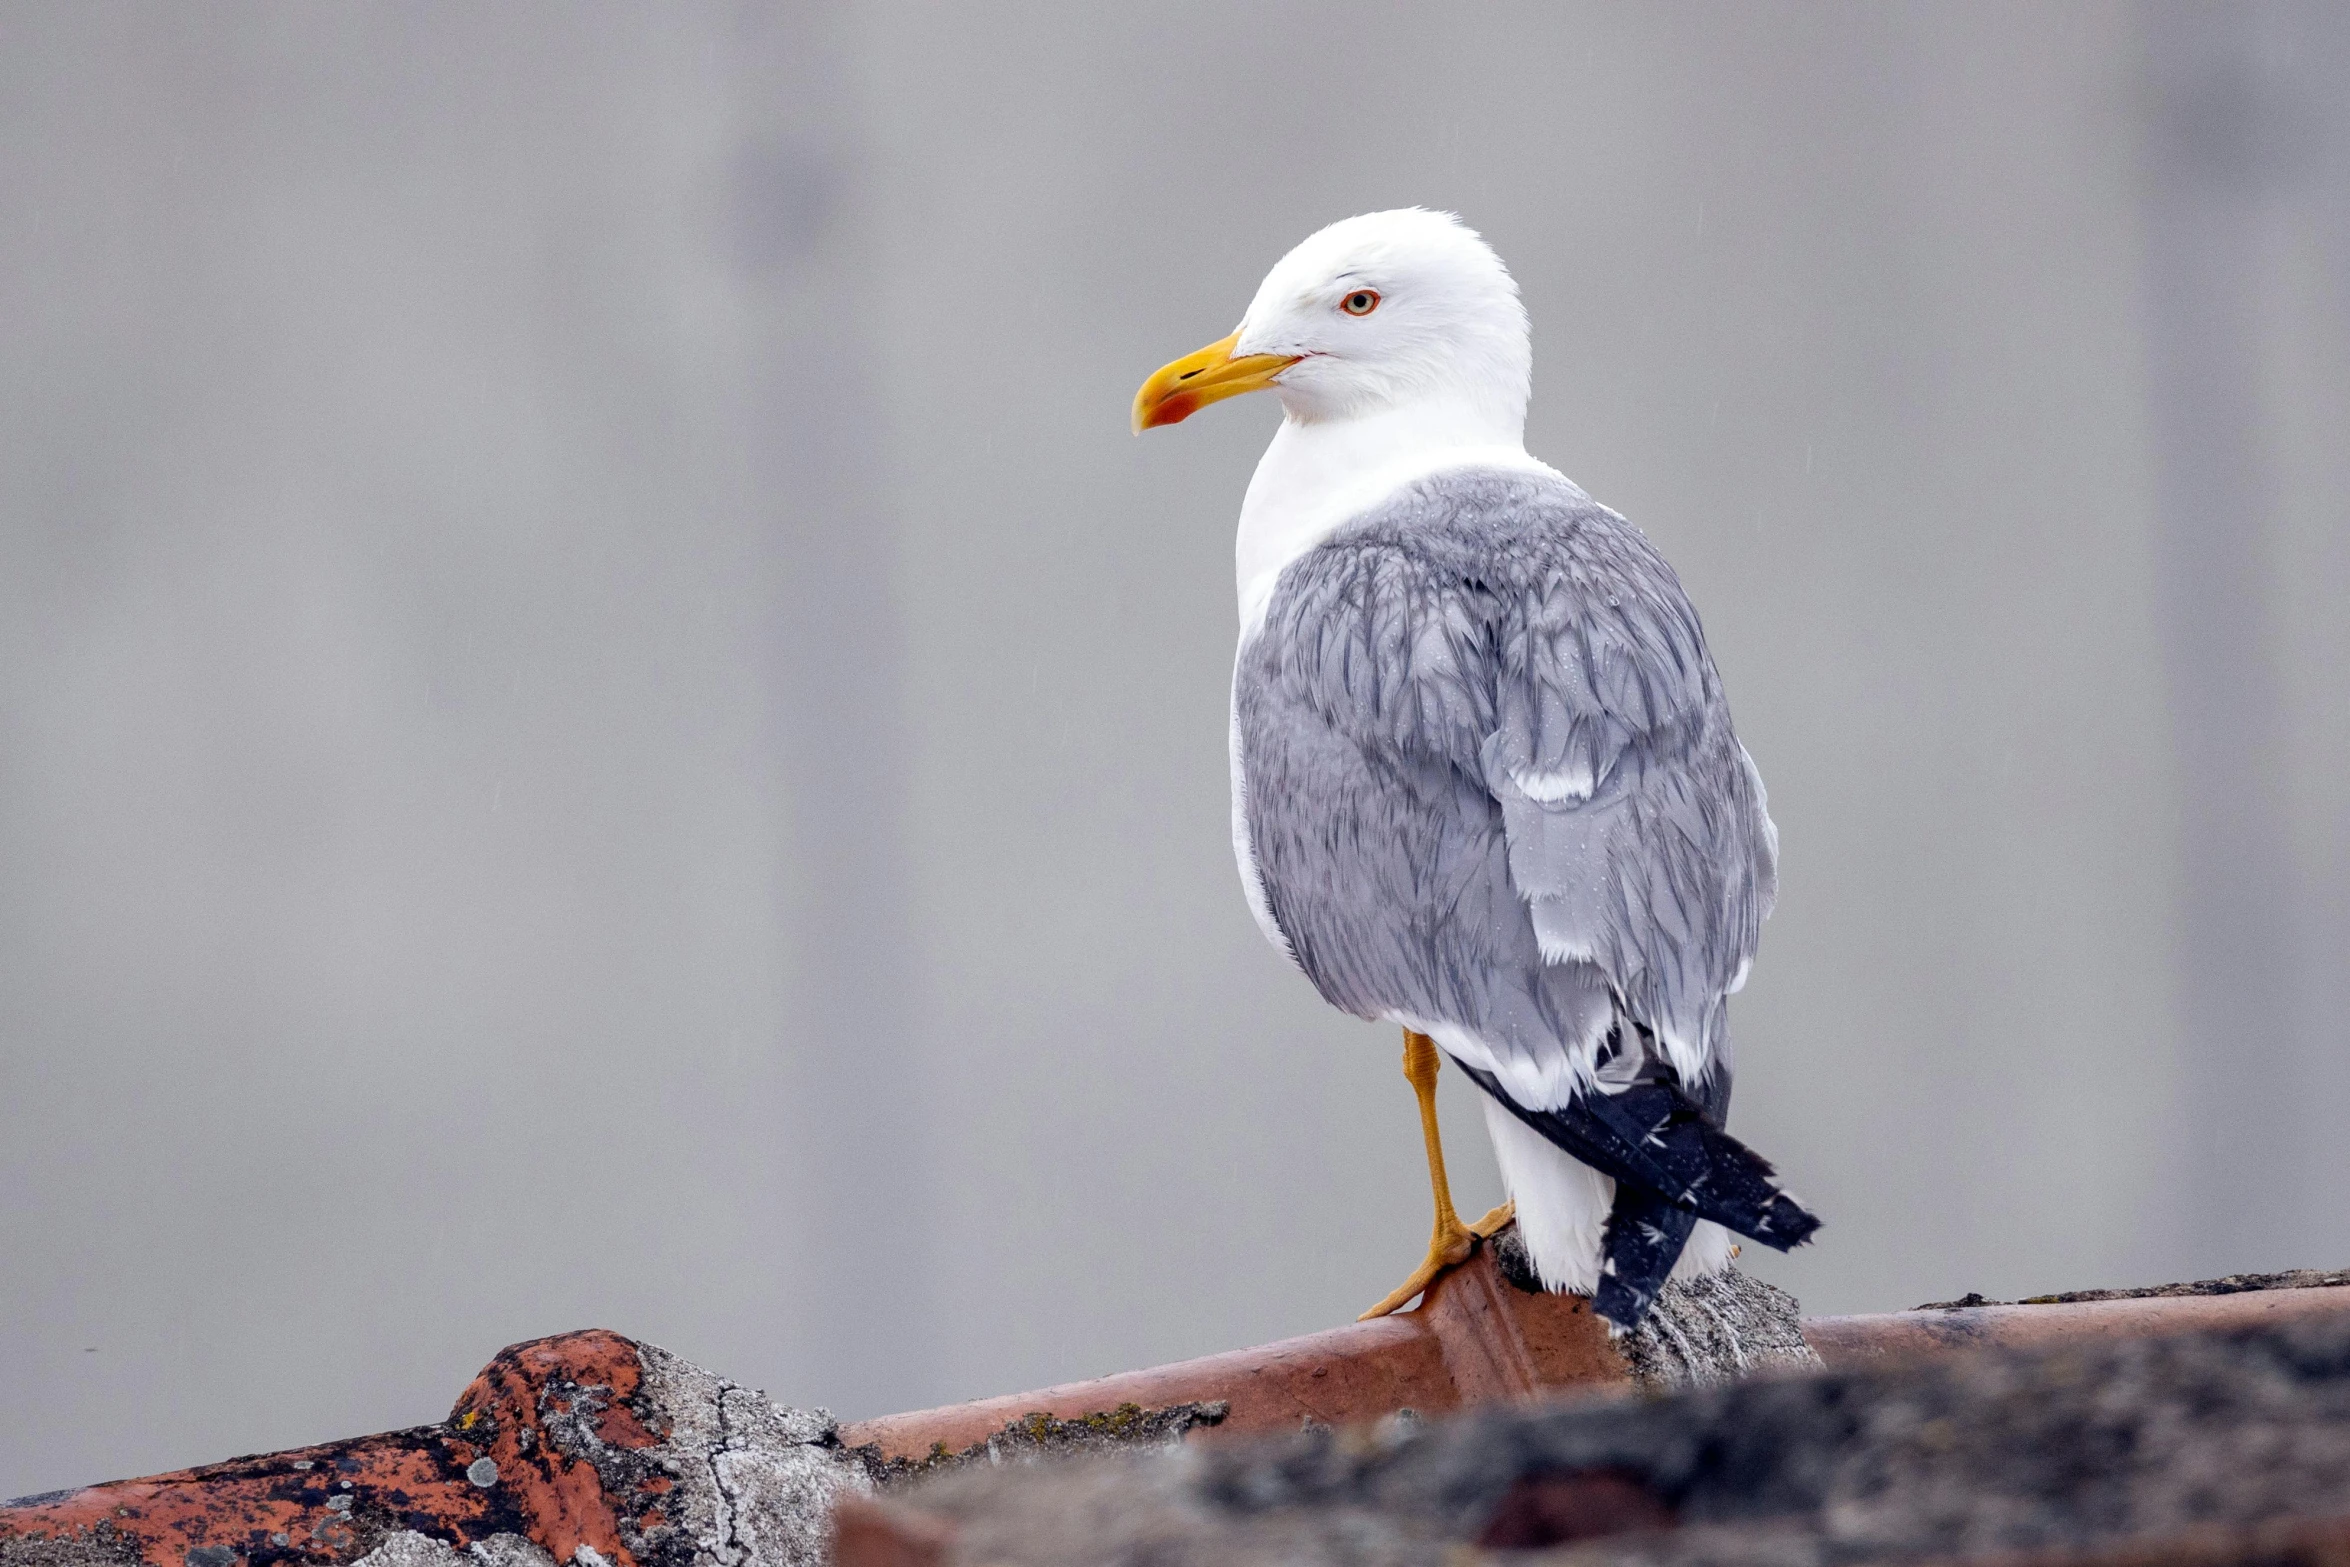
[
  {"x": 1645, "y": 1235},
  {"x": 1704, "y": 1168},
  {"x": 1672, "y": 1167}
]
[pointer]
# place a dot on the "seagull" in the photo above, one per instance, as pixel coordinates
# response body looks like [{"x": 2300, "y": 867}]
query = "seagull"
[{"x": 1484, "y": 780}]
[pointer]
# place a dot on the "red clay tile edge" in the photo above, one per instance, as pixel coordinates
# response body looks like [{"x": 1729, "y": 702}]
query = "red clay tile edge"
[
  {"x": 1474, "y": 1340},
  {"x": 514, "y": 1457}
]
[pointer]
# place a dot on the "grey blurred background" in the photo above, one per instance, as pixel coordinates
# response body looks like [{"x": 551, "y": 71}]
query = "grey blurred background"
[{"x": 601, "y": 724}]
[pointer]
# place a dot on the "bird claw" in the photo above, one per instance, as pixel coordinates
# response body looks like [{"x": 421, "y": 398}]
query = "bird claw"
[{"x": 1447, "y": 1250}]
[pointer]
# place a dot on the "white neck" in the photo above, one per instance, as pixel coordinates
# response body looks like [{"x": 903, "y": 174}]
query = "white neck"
[{"x": 1319, "y": 474}]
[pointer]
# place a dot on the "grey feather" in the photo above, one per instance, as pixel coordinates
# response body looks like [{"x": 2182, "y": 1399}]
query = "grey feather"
[{"x": 1479, "y": 725}]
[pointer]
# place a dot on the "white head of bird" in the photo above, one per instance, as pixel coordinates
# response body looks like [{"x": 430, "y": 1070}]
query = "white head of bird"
[
  {"x": 1370, "y": 314},
  {"x": 1397, "y": 345}
]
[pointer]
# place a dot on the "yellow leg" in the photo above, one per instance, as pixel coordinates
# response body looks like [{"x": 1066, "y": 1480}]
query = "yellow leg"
[{"x": 1451, "y": 1242}]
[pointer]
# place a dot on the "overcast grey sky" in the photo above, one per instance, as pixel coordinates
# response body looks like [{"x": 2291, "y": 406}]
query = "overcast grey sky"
[{"x": 601, "y": 724}]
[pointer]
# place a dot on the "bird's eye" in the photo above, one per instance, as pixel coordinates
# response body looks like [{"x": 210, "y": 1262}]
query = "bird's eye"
[{"x": 1360, "y": 303}]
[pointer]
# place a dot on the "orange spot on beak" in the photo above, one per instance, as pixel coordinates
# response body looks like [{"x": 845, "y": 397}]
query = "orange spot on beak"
[{"x": 1178, "y": 390}]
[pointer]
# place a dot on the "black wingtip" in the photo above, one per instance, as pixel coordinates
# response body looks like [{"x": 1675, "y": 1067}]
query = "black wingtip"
[
  {"x": 1788, "y": 1222},
  {"x": 1644, "y": 1238},
  {"x": 1672, "y": 1166}
]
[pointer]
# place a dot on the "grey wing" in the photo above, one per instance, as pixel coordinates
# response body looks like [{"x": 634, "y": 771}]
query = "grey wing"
[
  {"x": 1637, "y": 824},
  {"x": 1491, "y": 780}
]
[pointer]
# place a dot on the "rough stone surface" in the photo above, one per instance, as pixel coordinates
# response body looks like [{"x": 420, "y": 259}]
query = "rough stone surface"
[
  {"x": 584, "y": 1450},
  {"x": 1717, "y": 1329},
  {"x": 100, "y": 1547},
  {"x": 506, "y": 1550},
  {"x": 755, "y": 1481},
  {"x": 410, "y": 1549},
  {"x": 1996, "y": 1452},
  {"x": 729, "y": 1479},
  {"x": 692, "y": 1469},
  {"x": 1157, "y": 1509},
  {"x": 312, "y": 1507},
  {"x": 2233, "y": 1284},
  {"x": 1700, "y": 1331}
]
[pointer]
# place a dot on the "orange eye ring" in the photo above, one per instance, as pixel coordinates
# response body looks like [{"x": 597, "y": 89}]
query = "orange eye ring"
[{"x": 1361, "y": 302}]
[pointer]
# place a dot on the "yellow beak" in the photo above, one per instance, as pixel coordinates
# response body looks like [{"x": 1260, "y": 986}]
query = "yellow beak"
[{"x": 1175, "y": 392}]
